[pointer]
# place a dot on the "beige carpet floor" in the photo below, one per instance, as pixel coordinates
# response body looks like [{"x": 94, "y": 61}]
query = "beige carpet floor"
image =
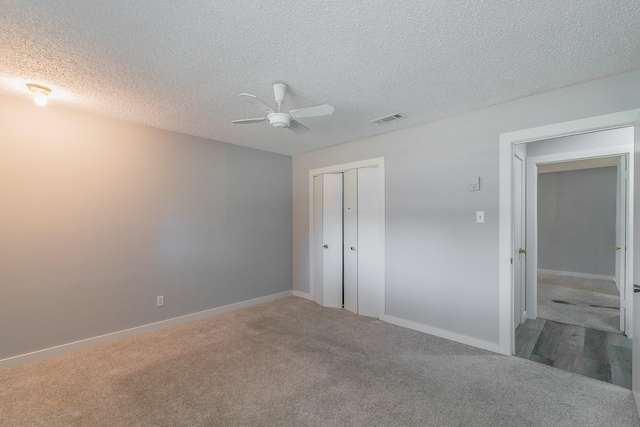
[{"x": 292, "y": 363}]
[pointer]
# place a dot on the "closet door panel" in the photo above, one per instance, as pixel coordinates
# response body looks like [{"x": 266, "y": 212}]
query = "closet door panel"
[
  {"x": 331, "y": 243},
  {"x": 370, "y": 216},
  {"x": 350, "y": 216},
  {"x": 317, "y": 239}
]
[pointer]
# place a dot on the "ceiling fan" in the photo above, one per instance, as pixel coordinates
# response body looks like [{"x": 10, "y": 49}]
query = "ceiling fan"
[{"x": 280, "y": 120}]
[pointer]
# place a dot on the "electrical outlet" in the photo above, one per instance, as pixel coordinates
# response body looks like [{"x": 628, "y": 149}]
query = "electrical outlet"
[{"x": 160, "y": 301}]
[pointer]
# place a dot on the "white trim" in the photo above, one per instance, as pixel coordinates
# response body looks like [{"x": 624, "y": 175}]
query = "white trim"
[
  {"x": 575, "y": 127},
  {"x": 376, "y": 162},
  {"x": 575, "y": 274},
  {"x": 452, "y": 336},
  {"x": 46, "y": 353},
  {"x": 505, "y": 285},
  {"x": 301, "y": 294}
]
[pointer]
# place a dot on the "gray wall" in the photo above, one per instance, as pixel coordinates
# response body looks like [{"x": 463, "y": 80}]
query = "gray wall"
[
  {"x": 98, "y": 217},
  {"x": 442, "y": 267},
  {"x": 577, "y": 221}
]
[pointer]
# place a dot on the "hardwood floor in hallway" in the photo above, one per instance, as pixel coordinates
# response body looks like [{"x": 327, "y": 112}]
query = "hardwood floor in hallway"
[{"x": 601, "y": 355}]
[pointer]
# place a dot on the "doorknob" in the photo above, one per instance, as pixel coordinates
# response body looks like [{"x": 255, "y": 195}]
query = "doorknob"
[
  {"x": 618, "y": 248},
  {"x": 353, "y": 248},
  {"x": 326, "y": 246},
  {"x": 522, "y": 251}
]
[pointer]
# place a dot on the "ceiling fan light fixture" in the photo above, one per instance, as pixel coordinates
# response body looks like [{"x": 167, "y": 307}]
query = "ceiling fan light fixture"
[
  {"x": 40, "y": 93},
  {"x": 279, "y": 120}
]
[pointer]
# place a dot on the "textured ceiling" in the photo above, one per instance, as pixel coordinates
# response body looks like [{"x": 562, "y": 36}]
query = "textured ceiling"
[{"x": 180, "y": 65}]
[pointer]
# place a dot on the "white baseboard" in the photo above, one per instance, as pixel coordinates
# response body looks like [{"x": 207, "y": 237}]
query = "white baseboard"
[
  {"x": 46, "y": 353},
  {"x": 574, "y": 274},
  {"x": 305, "y": 295},
  {"x": 452, "y": 336}
]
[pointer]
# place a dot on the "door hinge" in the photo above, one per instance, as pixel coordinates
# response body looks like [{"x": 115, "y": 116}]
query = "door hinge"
[{"x": 511, "y": 260}]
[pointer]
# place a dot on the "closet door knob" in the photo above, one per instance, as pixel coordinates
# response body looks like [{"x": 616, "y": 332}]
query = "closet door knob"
[
  {"x": 353, "y": 248},
  {"x": 326, "y": 246}
]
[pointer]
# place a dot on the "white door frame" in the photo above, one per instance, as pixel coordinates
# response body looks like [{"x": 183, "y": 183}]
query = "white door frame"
[
  {"x": 506, "y": 338},
  {"x": 520, "y": 154},
  {"x": 378, "y": 163},
  {"x": 532, "y": 220}
]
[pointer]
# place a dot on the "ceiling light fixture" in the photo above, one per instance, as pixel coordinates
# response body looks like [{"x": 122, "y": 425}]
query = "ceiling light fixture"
[{"x": 40, "y": 93}]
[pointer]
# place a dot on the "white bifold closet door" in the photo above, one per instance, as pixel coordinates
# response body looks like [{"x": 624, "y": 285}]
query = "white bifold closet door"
[
  {"x": 350, "y": 222},
  {"x": 347, "y": 215},
  {"x": 332, "y": 240}
]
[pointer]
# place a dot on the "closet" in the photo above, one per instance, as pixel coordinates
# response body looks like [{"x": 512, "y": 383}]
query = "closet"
[{"x": 348, "y": 235}]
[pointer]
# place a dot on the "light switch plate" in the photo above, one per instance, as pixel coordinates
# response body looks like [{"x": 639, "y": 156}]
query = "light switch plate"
[
  {"x": 474, "y": 183},
  {"x": 480, "y": 216}
]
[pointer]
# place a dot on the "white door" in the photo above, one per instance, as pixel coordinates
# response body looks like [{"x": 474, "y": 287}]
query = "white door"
[
  {"x": 347, "y": 227},
  {"x": 621, "y": 243},
  {"x": 350, "y": 218},
  {"x": 331, "y": 240},
  {"x": 635, "y": 367},
  {"x": 317, "y": 238},
  {"x": 519, "y": 241},
  {"x": 371, "y": 242}
]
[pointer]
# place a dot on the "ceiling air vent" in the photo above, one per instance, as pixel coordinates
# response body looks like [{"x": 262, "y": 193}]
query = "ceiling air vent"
[{"x": 387, "y": 119}]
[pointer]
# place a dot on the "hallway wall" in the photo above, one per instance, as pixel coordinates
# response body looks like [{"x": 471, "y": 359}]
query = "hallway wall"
[{"x": 577, "y": 221}]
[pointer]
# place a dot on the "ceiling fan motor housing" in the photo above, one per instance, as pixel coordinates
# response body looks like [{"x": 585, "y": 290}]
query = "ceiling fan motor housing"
[{"x": 279, "y": 120}]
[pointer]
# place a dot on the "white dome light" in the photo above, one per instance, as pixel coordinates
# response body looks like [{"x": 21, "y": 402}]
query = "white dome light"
[{"x": 40, "y": 93}]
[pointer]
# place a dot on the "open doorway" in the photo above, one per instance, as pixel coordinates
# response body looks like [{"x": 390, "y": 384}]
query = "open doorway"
[
  {"x": 580, "y": 209},
  {"x": 576, "y": 281}
]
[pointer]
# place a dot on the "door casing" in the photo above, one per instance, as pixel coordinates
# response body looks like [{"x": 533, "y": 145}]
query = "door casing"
[
  {"x": 506, "y": 335},
  {"x": 519, "y": 235}
]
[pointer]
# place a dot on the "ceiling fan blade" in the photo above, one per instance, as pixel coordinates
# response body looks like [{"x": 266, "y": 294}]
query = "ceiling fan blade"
[
  {"x": 252, "y": 99},
  {"x": 298, "y": 128},
  {"x": 245, "y": 121},
  {"x": 318, "y": 110}
]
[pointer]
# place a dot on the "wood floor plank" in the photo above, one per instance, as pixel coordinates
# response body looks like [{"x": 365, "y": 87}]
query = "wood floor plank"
[
  {"x": 572, "y": 335},
  {"x": 548, "y": 342},
  {"x": 597, "y": 370},
  {"x": 569, "y": 358},
  {"x": 597, "y": 354},
  {"x": 526, "y": 339},
  {"x": 619, "y": 340},
  {"x": 596, "y": 346},
  {"x": 621, "y": 365}
]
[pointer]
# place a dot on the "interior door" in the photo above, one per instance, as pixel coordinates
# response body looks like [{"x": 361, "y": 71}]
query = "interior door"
[
  {"x": 519, "y": 241},
  {"x": 635, "y": 368},
  {"x": 350, "y": 218},
  {"x": 332, "y": 240},
  {"x": 621, "y": 244},
  {"x": 317, "y": 239},
  {"x": 371, "y": 242}
]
